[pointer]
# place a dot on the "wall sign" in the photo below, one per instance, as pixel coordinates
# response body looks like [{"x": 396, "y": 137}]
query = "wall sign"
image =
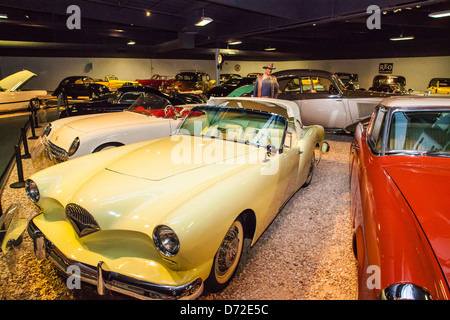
[{"x": 385, "y": 68}]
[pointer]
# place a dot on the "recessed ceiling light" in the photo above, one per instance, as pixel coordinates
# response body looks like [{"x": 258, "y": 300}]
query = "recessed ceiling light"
[
  {"x": 232, "y": 43},
  {"x": 3, "y": 16},
  {"x": 440, "y": 14},
  {"x": 131, "y": 42},
  {"x": 148, "y": 13},
  {"x": 270, "y": 49}
]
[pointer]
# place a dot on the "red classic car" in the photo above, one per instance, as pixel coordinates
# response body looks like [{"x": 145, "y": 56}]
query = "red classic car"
[
  {"x": 400, "y": 200},
  {"x": 157, "y": 81}
]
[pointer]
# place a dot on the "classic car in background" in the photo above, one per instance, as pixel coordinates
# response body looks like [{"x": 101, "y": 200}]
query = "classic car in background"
[
  {"x": 149, "y": 117},
  {"x": 157, "y": 81},
  {"x": 439, "y": 85},
  {"x": 389, "y": 84},
  {"x": 80, "y": 86},
  {"x": 400, "y": 182},
  {"x": 224, "y": 77},
  {"x": 324, "y": 100},
  {"x": 12, "y": 95},
  {"x": 350, "y": 80},
  {"x": 113, "y": 82},
  {"x": 123, "y": 98},
  {"x": 138, "y": 219},
  {"x": 192, "y": 81},
  {"x": 254, "y": 74},
  {"x": 226, "y": 88}
]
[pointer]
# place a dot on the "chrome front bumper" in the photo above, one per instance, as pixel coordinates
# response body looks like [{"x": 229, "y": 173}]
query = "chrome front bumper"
[{"x": 108, "y": 280}]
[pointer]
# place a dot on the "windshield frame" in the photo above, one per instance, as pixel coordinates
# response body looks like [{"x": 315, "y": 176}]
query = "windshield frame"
[
  {"x": 249, "y": 111},
  {"x": 387, "y": 130}
]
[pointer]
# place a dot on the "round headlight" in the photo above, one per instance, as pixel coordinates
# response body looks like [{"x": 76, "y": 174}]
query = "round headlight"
[
  {"x": 74, "y": 146},
  {"x": 404, "y": 291},
  {"x": 32, "y": 190},
  {"x": 166, "y": 240}
]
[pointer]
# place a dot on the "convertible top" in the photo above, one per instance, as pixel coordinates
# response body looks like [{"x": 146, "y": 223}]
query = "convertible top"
[{"x": 285, "y": 108}]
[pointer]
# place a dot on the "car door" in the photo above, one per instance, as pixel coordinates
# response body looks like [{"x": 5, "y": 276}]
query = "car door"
[
  {"x": 289, "y": 162},
  {"x": 322, "y": 103}
]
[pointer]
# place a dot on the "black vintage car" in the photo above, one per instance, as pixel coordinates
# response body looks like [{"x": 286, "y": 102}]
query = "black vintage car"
[
  {"x": 124, "y": 98},
  {"x": 350, "y": 80},
  {"x": 389, "y": 84},
  {"x": 80, "y": 86},
  {"x": 225, "y": 89}
]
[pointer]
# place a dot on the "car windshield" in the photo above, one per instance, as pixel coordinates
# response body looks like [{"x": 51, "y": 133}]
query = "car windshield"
[
  {"x": 185, "y": 77},
  {"x": 420, "y": 132},
  {"x": 148, "y": 102},
  {"x": 234, "y": 124},
  {"x": 129, "y": 97}
]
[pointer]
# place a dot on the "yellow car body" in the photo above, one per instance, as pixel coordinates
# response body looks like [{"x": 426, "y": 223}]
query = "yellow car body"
[
  {"x": 196, "y": 185},
  {"x": 439, "y": 85},
  {"x": 113, "y": 82}
]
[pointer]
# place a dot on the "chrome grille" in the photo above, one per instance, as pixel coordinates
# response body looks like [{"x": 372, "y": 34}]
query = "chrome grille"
[
  {"x": 82, "y": 221},
  {"x": 55, "y": 153}
]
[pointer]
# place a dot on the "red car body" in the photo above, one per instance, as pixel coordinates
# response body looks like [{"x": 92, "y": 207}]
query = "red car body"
[
  {"x": 157, "y": 81},
  {"x": 400, "y": 204}
]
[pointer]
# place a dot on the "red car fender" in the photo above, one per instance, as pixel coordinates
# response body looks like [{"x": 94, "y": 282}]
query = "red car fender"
[{"x": 389, "y": 242}]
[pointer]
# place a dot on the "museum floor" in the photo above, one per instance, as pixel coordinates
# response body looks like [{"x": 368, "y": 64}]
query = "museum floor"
[{"x": 305, "y": 254}]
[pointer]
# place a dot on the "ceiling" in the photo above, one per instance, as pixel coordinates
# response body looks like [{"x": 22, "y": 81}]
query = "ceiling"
[{"x": 298, "y": 29}]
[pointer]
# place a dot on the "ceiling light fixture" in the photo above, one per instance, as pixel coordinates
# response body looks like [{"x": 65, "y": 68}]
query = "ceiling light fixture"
[
  {"x": 131, "y": 42},
  {"x": 3, "y": 16},
  {"x": 401, "y": 38},
  {"x": 440, "y": 14},
  {"x": 204, "y": 20},
  {"x": 148, "y": 13},
  {"x": 270, "y": 49},
  {"x": 232, "y": 43}
]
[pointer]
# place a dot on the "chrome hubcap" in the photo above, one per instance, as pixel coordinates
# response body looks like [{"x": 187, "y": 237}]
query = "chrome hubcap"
[{"x": 228, "y": 251}]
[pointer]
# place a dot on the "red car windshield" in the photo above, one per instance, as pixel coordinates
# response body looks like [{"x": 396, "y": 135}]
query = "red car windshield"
[{"x": 420, "y": 131}]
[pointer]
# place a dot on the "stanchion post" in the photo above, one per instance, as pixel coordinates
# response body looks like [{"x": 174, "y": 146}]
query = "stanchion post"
[
  {"x": 25, "y": 144},
  {"x": 21, "y": 182},
  {"x": 33, "y": 132}
]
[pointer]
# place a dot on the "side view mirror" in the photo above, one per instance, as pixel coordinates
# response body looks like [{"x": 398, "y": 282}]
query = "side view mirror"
[
  {"x": 270, "y": 152},
  {"x": 325, "y": 147}
]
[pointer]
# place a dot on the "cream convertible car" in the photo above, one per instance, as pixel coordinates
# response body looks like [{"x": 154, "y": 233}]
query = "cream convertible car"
[{"x": 161, "y": 218}]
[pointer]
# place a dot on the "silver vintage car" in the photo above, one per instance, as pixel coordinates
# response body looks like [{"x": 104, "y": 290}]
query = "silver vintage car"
[{"x": 323, "y": 99}]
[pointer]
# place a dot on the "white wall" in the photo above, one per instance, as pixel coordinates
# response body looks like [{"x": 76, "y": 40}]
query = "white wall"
[{"x": 50, "y": 71}]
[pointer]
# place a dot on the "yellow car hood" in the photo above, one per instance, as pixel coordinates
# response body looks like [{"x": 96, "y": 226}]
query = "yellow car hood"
[
  {"x": 174, "y": 155},
  {"x": 139, "y": 189}
]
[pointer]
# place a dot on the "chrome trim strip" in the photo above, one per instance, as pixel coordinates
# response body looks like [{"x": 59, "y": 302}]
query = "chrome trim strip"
[
  {"x": 103, "y": 279},
  {"x": 54, "y": 153}
]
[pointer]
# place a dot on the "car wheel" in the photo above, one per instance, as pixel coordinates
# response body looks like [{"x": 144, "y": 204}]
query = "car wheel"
[
  {"x": 227, "y": 258},
  {"x": 310, "y": 172}
]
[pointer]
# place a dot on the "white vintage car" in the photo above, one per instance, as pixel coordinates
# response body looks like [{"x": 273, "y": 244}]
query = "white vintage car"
[
  {"x": 148, "y": 118},
  {"x": 12, "y": 98},
  {"x": 323, "y": 99},
  {"x": 161, "y": 219}
]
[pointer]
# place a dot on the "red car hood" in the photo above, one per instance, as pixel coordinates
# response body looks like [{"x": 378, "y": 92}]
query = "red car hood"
[{"x": 426, "y": 187}]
